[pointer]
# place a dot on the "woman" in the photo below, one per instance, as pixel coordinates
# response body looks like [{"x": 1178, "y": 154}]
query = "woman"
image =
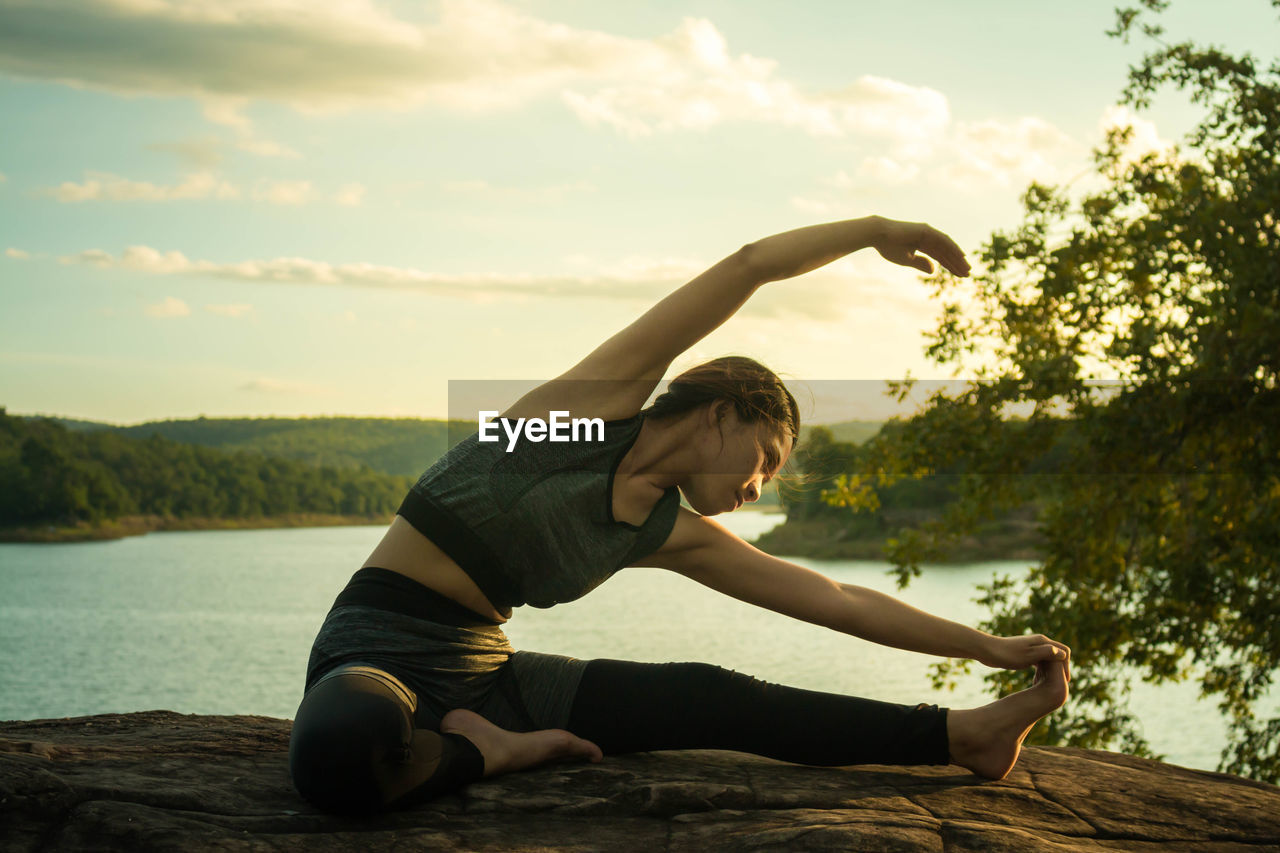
[{"x": 412, "y": 689}]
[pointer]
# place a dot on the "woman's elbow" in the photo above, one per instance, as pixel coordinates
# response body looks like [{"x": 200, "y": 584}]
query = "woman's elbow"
[{"x": 752, "y": 263}]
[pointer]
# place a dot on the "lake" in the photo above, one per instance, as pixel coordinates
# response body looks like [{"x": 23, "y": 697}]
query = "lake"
[{"x": 220, "y": 622}]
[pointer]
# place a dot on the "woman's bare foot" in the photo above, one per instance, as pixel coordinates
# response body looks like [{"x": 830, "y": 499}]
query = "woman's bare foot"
[
  {"x": 987, "y": 740},
  {"x": 505, "y": 751}
]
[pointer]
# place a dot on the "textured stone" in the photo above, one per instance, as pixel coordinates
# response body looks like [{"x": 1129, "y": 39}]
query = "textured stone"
[{"x": 165, "y": 781}]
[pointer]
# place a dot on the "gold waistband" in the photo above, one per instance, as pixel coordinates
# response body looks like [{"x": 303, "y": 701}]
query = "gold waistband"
[{"x": 407, "y": 696}]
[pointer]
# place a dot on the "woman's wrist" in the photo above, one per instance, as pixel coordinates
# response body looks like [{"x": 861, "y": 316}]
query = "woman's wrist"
[
  {"x": 982, "y": 646},
  {"x": 801, "y": 250},
  {"x": 877, "y": 228}
]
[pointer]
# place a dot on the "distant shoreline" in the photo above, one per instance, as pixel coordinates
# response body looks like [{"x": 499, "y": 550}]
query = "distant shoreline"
[
  {"x": 830, "y": 540},
  {"x": 816, "y": 540},
  {"x": 138, "y": 525}
]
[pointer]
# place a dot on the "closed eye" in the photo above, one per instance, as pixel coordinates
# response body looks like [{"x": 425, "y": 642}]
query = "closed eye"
[{"x": 771, "y": 464}]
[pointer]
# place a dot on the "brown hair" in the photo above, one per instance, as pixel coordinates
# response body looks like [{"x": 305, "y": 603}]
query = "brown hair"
[{"x": 756, "y": 392}]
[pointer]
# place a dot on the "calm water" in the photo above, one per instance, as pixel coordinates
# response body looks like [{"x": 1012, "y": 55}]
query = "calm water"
[{"x": 221, "y": 622}]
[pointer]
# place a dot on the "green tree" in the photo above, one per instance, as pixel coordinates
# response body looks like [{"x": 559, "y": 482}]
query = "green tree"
[
  {"x": 54, "y": 475},
  {"x": 819, "y": 461},
  {"x": 1161, "y": 512}
]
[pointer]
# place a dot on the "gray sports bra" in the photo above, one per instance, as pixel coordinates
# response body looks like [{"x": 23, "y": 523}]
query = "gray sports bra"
[{"x": 535, "y": 526}]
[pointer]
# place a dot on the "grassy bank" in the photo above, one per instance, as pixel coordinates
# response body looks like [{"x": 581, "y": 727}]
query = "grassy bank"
[
  {"x": 139, "y": 524},
  {"x": 1009, "y": 539}
]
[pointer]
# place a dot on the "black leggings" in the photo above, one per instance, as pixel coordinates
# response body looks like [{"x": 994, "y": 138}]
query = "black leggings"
[
  {"x": 355, "y": 747},
  {"x": 624, "y": 706}
]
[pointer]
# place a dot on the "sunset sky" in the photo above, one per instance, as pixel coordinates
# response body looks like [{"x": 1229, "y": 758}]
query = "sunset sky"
[{"x": 307, "y": 207}]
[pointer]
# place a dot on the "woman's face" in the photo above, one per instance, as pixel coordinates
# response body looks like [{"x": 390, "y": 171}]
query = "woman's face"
[{"x": 736, "y": 460}]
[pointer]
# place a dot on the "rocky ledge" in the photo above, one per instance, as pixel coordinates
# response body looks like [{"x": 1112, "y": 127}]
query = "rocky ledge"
[{"x": 165, "y": 781}]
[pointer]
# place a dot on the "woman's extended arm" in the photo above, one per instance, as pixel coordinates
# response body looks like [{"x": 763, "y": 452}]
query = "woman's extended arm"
[
  {"x": 704, "y": 551},
  {"x": 797, "y": 252},
  {"x": 645, "y": 348}
]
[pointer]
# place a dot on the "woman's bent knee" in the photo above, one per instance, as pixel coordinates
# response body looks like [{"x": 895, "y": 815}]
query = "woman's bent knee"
[{"x": 354, "y": 747}]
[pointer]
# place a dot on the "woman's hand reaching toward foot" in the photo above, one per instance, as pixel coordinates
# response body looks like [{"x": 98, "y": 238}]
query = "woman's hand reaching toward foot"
[{"x": 1024, "y": 651}]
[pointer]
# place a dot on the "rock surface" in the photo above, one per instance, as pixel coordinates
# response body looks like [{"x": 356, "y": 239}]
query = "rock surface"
[{"x": 164, "y": 781}]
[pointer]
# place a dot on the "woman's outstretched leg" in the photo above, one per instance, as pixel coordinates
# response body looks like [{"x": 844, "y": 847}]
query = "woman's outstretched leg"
[{"x": 628, "y": 707}]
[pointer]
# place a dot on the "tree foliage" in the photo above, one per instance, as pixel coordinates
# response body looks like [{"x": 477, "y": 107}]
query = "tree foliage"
[
  {"x": 1134, "y": 328},
  {"x": 402, "y": 446},
  {"x": 53, "y": 475}
]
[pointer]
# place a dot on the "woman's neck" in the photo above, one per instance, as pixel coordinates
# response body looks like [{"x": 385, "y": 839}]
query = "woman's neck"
[{"x": 662, "y": 453}]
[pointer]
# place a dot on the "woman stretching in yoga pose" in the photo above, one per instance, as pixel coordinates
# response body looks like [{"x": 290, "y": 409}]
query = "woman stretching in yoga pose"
[{"x": 412, "y": 689}]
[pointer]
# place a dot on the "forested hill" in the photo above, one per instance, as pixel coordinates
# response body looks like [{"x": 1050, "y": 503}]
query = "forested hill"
[
  {"x": 398, "y": 446},
  {"x": 56, "y": 476},
  {"x": 851, "y": 432}
]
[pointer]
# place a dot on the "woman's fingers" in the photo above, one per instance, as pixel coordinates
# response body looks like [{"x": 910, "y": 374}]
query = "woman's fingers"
[
  {"x": 1061, "y": 652},
  {"x": 906, "y": 256},
  {"x": 911, "y": 244},
  {"x": 945, "y": 250},
  {"x": 920, "y": 262}
]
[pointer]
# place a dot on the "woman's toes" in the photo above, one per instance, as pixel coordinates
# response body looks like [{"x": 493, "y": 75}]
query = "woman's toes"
[
  {"x": 569, "y": 745},
  {"x": 1051, "y": 676},
  {"x": 505, "y": 751},
  {"x": 586, "y": 749}
]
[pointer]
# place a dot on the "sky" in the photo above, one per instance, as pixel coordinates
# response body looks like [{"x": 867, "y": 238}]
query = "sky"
[{"x": 341, "y": 207}]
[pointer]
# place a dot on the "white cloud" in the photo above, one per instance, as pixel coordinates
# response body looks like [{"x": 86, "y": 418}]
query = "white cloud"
[
  {"x": 284, "y": 192},
  {"x": 1144, "y": 138},
  {"x": 170, "y": 307},
  {"x": 266, "y": 385},
  {"x": 140, "y": 258},
  {"x": 816, "y": 206},
  {"x": 350, "y": 195},
  {"x": 636, "y": 280},
  {"x": 886, "y": 170},
  {"x": 469, "y": 186},
  {"x": 821, "y": 296},
  {"x": 690, "y": 83},
  {"x": 103, "y": 186},
  {"x": 841, "y": 193},
  {"x": 200, "y": 154},
  {"x": 970, "y": 157},
  {"x": 477, "y": 55},
  {"x": 985, "y": 155},
  {"x": 17, "y": 254},
  {"x": 238, "y": 309},
  {"x": 510, "y": 193},
  {"x": 266, "y": 148},
  {"x": 228, "y": 111}
]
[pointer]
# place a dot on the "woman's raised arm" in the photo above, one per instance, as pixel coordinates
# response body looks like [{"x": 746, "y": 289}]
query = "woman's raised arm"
[
  {"x": 637, "y": 356},
  {"x": 615, "y": 380}
]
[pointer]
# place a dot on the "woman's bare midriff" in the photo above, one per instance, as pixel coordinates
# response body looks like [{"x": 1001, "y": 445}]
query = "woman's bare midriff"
[{"x": 405, "y": 551}]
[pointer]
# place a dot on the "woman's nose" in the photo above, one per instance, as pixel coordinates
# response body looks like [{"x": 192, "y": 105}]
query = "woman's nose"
[{"x": 752, "y": 493}]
